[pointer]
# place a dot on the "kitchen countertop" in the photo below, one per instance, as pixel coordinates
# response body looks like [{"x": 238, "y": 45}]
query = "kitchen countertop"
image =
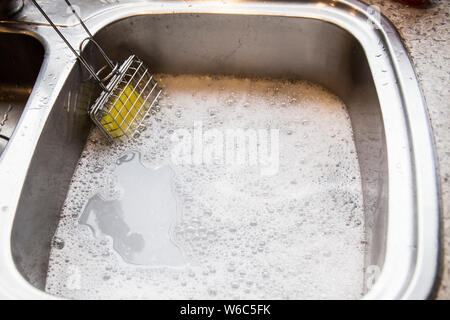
[{"x": 427, "y": 35}]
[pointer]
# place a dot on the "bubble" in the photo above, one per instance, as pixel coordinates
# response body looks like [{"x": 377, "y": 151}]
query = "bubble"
[
  {"x": 98, "y": 168},
  {"x": 58, "y": 243}
]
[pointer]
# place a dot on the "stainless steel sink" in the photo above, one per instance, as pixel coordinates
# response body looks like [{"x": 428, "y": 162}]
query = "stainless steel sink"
[
  {"x": 21, "y": 56},
  {"x": 336, "y": 44}
]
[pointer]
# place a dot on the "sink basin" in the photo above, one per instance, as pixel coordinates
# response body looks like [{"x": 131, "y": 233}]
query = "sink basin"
[
  {"x": 21, "y": 56},
  {"x": 329, "y": 43}
]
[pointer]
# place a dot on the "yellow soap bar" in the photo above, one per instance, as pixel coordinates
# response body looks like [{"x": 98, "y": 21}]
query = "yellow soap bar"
[{"x": 121, "y": 114}]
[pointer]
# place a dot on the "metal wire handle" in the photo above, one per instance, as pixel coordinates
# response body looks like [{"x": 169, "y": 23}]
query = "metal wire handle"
[
  {"x": 114, "y": 68},
  {"x": 79, "y": 57},
  {"x": 91, "y": 37}
]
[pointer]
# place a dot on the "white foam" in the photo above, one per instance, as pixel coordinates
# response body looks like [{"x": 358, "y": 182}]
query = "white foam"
[{"x": 294, "y": 235}]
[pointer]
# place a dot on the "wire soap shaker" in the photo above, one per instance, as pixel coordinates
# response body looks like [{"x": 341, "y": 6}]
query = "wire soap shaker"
[{"x": 128, "y": 92}]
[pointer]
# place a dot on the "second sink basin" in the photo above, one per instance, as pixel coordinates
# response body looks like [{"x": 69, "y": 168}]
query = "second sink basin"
[{"x": 21, "y": 56}]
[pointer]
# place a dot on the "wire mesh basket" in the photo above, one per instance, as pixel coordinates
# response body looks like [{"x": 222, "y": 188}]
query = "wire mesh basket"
[
  {"x": 129, "y": 98},
  {"x": 129, "y": 95}
]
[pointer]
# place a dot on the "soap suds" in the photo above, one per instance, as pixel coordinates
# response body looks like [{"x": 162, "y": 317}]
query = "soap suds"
[{"x": 230, "y": 232}]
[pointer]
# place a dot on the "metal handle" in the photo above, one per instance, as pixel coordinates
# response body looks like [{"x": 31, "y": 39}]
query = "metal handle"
[
  {"x": 79, "y": 57},
  {"x": 91, "y": 37},
  {"x": 114, "y": 68}
]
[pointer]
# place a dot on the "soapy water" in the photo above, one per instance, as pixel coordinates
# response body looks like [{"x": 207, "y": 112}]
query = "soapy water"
[
  {"x": 137, "y": 225},
  {"x": 140, "y": 220}
]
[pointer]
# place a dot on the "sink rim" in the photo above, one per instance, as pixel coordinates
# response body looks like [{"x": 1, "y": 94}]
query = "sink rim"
[
  {"x": 424, "y": 207},
  {"x": 14, "y": 279}
]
